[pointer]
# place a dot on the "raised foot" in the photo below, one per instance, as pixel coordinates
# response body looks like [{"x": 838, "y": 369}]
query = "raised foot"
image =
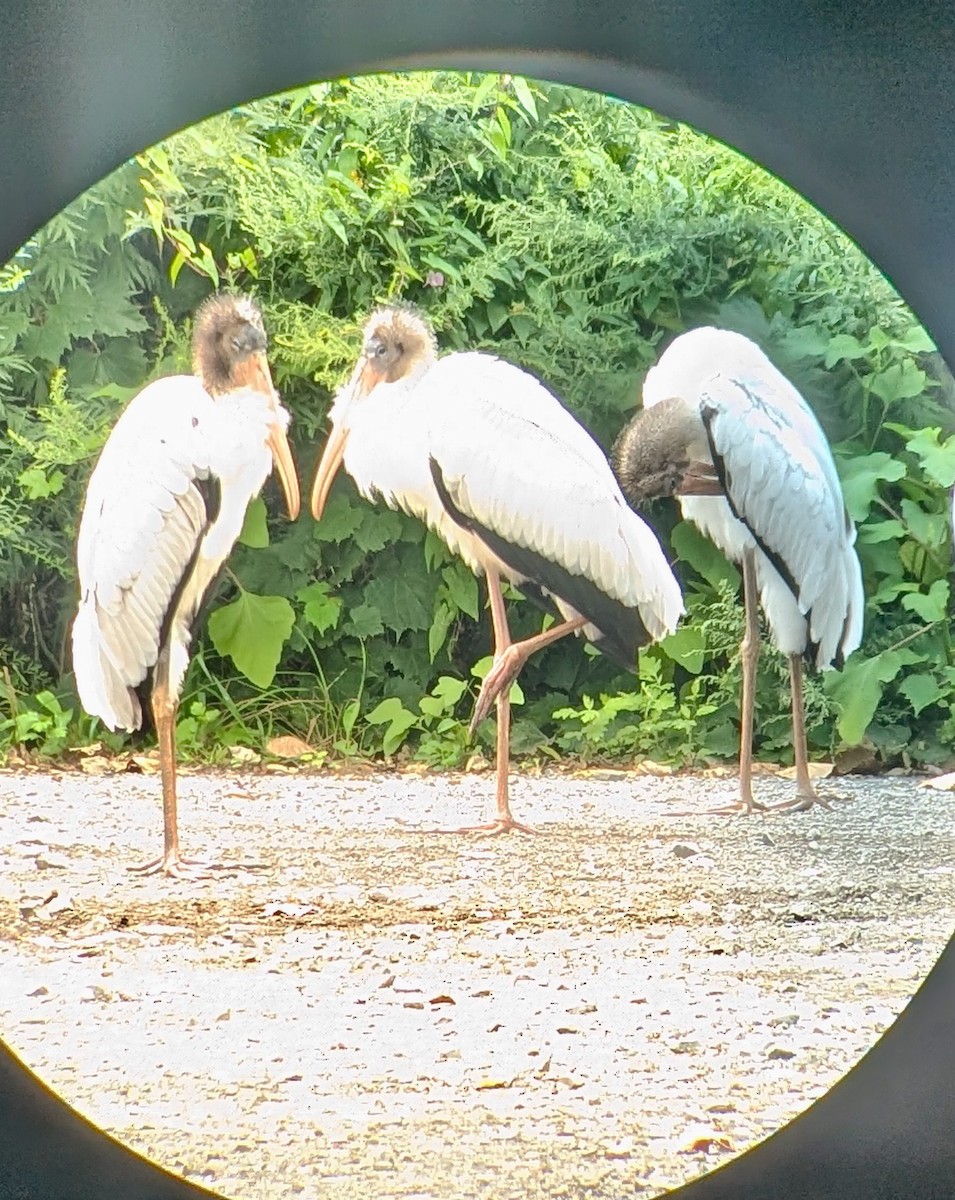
[
  {"x": 176, "y": 867},
  {"x": 500, "y": 677}
]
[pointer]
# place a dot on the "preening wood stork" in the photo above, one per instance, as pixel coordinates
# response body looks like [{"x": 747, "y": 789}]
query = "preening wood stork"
[
  {"x": 726, "y": 433},
  {"x": 165, "y": 504},
  {"x": 494, "y": 463}
]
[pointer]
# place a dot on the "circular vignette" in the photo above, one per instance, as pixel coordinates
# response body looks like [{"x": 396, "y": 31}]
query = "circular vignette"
[{"x": 853, "y": 108}]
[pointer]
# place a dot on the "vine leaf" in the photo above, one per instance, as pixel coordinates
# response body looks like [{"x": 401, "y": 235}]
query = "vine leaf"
[
  {"x": 255, "y": 530},
  {"x": 252, "y": 631}
]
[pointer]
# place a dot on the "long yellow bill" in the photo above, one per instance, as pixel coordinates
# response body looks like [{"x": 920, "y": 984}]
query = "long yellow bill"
[
  {"x": 277, "y": 442},
  {"x": 256, "y": 375},
  {"x": 327, "y": 469}
]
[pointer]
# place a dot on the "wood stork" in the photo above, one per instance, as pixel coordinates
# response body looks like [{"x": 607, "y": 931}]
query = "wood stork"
[
  {"x": 493, "y": 462},
  {"x": 164, "y": 506},
  {"x": 731, "y": 437}
]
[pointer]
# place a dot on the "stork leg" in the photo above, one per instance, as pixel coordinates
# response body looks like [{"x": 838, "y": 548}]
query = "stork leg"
[
  {"x": 509, "y": 661},
  {"x": 165, "y": 707},
  {"x": 509, "y": 658},
  {"x": 806, "y": 795},
  {"x": 749, "y": 656}
]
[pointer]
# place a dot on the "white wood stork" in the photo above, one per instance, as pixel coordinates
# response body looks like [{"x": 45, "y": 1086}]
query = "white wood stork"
[
  {"x": 493, "y": 462},
  {"x": 726, "y": 433},
  {"x": 164, "y": 506}
]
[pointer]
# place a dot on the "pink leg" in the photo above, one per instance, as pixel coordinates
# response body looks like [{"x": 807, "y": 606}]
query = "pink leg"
[
  {"x": 164, "y": 707},
  {"x": 749, "y": 655},
  {"x": 508, "y": 660},
  {"x": 806, "y": 795}
]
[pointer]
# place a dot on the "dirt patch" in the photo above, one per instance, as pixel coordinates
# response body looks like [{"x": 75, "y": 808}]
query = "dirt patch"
[{"x": 616, "y": 1005}]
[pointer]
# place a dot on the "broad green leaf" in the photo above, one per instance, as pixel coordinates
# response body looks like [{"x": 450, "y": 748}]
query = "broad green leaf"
[
  {"x": 319, "y": 607},
  {"x": 363, "y": 622},
  {"x": 449, "y": 690},
  {"x": 931, "y": 607},
  {"x": 872, "y": 533},
  {"x": 860, "y": 478},
  {"x": 462, "y": 587},
  {"x": 252, "y": 631},
  {"x": 921, "y": 691},
  {"x": 937, "y": 458},
  {"x": 899, "y": 381},
  {"x": 805, "y": 341},
  {"x": 342, "y": 516},
  {"x": 38, "y": 485},
  {"x": 497, "y": 314},
  {"x": 917, "y": 341},
  {"x": 927, "y": 527},
  {"x": 350, "y": 715},
  {"x": 379, "y": 527},
  {"x": 392, "y": 712},
  {"x": 701, "y": 554},
  {"x": 398, "y": 601},
  {"x": 857, "y": 690},
  {"x": 843, "y": 346},
  {"x": 686, "y": 647},
  {"x": 255, "y": 529}
]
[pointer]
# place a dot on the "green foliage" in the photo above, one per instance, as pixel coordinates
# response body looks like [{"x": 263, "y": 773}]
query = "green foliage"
[{"x": 565, "y": 231}]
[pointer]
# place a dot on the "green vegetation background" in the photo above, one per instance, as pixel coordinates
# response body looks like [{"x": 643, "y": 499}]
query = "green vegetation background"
[{"x": 565, "y": 231}]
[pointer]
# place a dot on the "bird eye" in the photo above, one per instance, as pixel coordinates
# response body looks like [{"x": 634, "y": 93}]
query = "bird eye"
[{"x": 236, "y": 343}]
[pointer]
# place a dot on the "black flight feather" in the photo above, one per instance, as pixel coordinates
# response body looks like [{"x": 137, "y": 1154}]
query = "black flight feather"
[{"x": 622, "y": 632}]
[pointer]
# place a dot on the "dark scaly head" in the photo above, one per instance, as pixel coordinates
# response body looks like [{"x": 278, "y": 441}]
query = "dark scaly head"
[
  {"x": 653, "y": 455},
  {"x": 229, "y": 345}
]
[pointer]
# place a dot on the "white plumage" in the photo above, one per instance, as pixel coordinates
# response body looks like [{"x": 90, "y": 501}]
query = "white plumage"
[
  {"x": 728, "y": 434},
  {"x": 494, "y": 463},
  {"x": 164, "y": 506}
]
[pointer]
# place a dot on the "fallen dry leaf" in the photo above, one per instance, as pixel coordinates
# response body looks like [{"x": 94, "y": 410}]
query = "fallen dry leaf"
[
  {"x": 96, "y": 764},
  {"x": 817, "y": 770},
  {"x": 940, "y": 783},
  {"x": 287, "y": 746}
]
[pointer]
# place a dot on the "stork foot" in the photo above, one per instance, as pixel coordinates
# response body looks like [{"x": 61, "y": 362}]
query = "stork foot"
[
  {"x": 497, "y": 681},
  {"x": 802, "y": 802},
  {"x": 498, "y": 825},
  {"x": 491, "y": 828},
  {"x": 176, "y": 867},
  {"x": 737, "y": 808}
]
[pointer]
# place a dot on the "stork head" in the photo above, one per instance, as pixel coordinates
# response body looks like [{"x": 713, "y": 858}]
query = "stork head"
[
  {"x": 660, "y": 454},
  {"x": 228, "y": 355},
  {"x": 398, "y": 344}
]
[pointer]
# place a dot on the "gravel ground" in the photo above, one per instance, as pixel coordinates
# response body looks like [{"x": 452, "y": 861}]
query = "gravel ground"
[{"x": 617, "y": 1005}]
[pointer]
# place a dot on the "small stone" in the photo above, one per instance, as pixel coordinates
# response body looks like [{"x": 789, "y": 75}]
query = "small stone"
[{"x": 780, "y": 1052}]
